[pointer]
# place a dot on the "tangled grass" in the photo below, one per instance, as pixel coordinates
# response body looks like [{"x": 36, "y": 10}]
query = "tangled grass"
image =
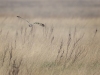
[{"x": 58, "y": 49}]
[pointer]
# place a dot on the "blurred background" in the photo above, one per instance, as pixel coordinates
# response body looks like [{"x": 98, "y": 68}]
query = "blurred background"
[{"x": 51, "y": 8}]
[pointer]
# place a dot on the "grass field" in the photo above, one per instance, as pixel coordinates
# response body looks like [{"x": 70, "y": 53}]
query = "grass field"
[
  {"x": 63, "y": 46},
  {"x": 52, "y": 37}
]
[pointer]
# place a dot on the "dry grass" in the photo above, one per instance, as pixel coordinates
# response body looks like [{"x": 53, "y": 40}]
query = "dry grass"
[{"x": 64, "y": 46}]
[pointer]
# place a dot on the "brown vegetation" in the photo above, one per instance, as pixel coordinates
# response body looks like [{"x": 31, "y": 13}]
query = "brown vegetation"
[{"x": 63, "y": 46}]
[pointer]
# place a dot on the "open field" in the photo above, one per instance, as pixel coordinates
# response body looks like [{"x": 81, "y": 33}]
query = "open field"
[
  {"x": 63, "y": 46},
  {"x": 52, "y": 37}
]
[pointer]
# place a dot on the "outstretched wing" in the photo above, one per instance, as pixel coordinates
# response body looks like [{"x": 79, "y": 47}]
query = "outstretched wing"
[
  {"x": 41, "y": 24},
  {"x": 23, "y": 19}
]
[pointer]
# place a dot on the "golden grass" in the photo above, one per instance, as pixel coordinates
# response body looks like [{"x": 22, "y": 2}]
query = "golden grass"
[{"x": 65, "y": 46}]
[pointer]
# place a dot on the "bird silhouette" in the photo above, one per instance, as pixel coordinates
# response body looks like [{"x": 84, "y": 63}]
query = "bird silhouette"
[{"x": 31, "y": 25}]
